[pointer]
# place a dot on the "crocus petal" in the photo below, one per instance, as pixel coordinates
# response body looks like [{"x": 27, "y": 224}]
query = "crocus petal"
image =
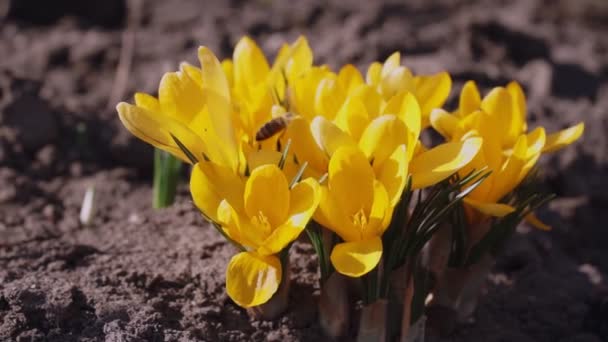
[
  {"x": 392, "y": 62},
  {"x": 267, "y": 193},
  {"x": 355, "y": 259},
  {"x": 258, "y": 158},
  {"x": 491, "y": 209},
  {"x": 393, "y": 174},
  {"x": 349, "y": 78},
  {"x": 180, "y": 97},
  {"x": 250, "y": 65},
  {"x": 381, "y": 137},
  {"x": 351, "y": 180},
  {"x": 304, "y": 146},
  {"x": 352, "y": 117},
  {"x": 444, "y": 123},
  {"x": 370, "y": 98},
  {"x": 331, "y": 216},
  {"x": 498, "y": 104},
  {"x": 237, "y": 226},
  {"x": 558, "y": 140},
  {"x": 470, "y": 100},
  {"x": 533, "y": 220},
  {"x": 536, "y": 141},
  {"x": 300, "y": 59},
  {"x": 381, "y": 208},
  {"x": 304, "y": 200},
  {"x": 518, "y": 102},
  {"x": 432, "y": 91},
  {"x": 373, "y": 73},
  {"x": 328, "y": 136},
  {"x": 210, "y": 184},
  {"x": 215, "y": 86},
  {"x": 509, "y": 177},
  {"x": 147, "y": 102},
  {"x": 156, "y": 129},
  {"x": 252, "y": 279},
  {"x": 328, "y": 98},
  {"x": 439, "y": 163}
]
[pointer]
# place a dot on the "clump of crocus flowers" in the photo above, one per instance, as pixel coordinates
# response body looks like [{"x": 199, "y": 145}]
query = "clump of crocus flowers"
[{"x": 290, "y": 147}]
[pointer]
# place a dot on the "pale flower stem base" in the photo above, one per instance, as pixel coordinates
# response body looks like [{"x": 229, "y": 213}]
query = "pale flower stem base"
[
  {"x": 372, "y": 327},
  {"x": 459, "y": 289},
  {"x": 273, "y": 308},
  {"x": 334, "y": 306}
]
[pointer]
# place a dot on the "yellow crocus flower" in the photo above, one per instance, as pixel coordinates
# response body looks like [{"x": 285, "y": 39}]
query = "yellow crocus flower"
[
  {"x": 391, "y": 78},
  {"x": 507, "y": 108},
  {"x": 194, "y": 105},
  {"x": 508, "y": 150},
  {"x": 380, "y": 138},
  {"x": 259, "y": 212},
  {"x": 356, "y": 206}
]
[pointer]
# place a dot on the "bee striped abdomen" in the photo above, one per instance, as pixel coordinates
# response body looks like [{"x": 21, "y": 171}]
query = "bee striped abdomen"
[{"x": 272, "y": 127}]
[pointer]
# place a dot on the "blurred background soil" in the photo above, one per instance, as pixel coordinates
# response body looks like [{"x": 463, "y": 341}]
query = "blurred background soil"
[{"x": 136, "y": 274}]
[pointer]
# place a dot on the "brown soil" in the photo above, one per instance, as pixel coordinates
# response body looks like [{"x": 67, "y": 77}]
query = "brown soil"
[{"x": 136, "y": 274}]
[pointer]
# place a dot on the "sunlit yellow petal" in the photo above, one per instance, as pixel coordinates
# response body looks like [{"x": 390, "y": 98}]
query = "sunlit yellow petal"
[
  {"x": 304, "y": 145},
  {"x": 351, "y": 180},
  {"x": 215, "y": 86},
  {"x": 491, "y": 209},
  {"x": 352, "y": 117},
  {"x": 304, "y": 200},
  {"x": 193, "y": 72},
  {"x": 558, "y": 140},
  {"x": 381, "y": 208},
  {"x": 432, "y": 91},
  {"x": 358, "y": 258},
  {"x": 437, "y": 164},
  {"x": 498, "y": 104},
  {"x": 470, "y": 100},
  {"x": 508, "y": 178},
  {"x": 156, "y": 129},
  {"x": 518, "y": 102},
  {"x": 250, "y": 65},
  {"x": 331, "y": 216},
  {"x": 536, "y": 141},
  {"x": 252, "y": 279},
  {"x": 349, "y": 78},
  {"x": 381, "y": 137},
  {"x": 444, "y": 123},
  {"x": 228, "y": 67},
  {"x": 180, "y": 97},
  {"x": 267, "y": 194},
  {"x": 147, "y": 102},
  {"x": 373, "y": 75},
  {"x": 210, "y": 184},
  {"x": 258, "y": 158},
  {"x": 393, "y": 174},
  {"x": 329, "y": 97},
  {"x": 328, "y": 136},
  {"x": 370, "y": 98}
]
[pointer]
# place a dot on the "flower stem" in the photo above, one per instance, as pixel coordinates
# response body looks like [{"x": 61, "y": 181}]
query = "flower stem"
[
  {"x": 334, "y": 306},
  {"x": 166, "y": 175}
]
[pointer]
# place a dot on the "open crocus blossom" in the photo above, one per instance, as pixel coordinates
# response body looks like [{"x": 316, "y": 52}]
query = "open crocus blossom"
[
  {"x": 215, "y": 110},
  {"x": 389, "y": 138},
  {"x": 356, "y": 206},
  {"x": 391, "y": 78},
  {"x": 506, "y": 107},
  {"x": 508, "y": 150},
  {"x": 262, "y": 214}
]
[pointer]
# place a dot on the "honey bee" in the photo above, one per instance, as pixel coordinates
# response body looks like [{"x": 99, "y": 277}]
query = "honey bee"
[{"x": 274, "y": 126}]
